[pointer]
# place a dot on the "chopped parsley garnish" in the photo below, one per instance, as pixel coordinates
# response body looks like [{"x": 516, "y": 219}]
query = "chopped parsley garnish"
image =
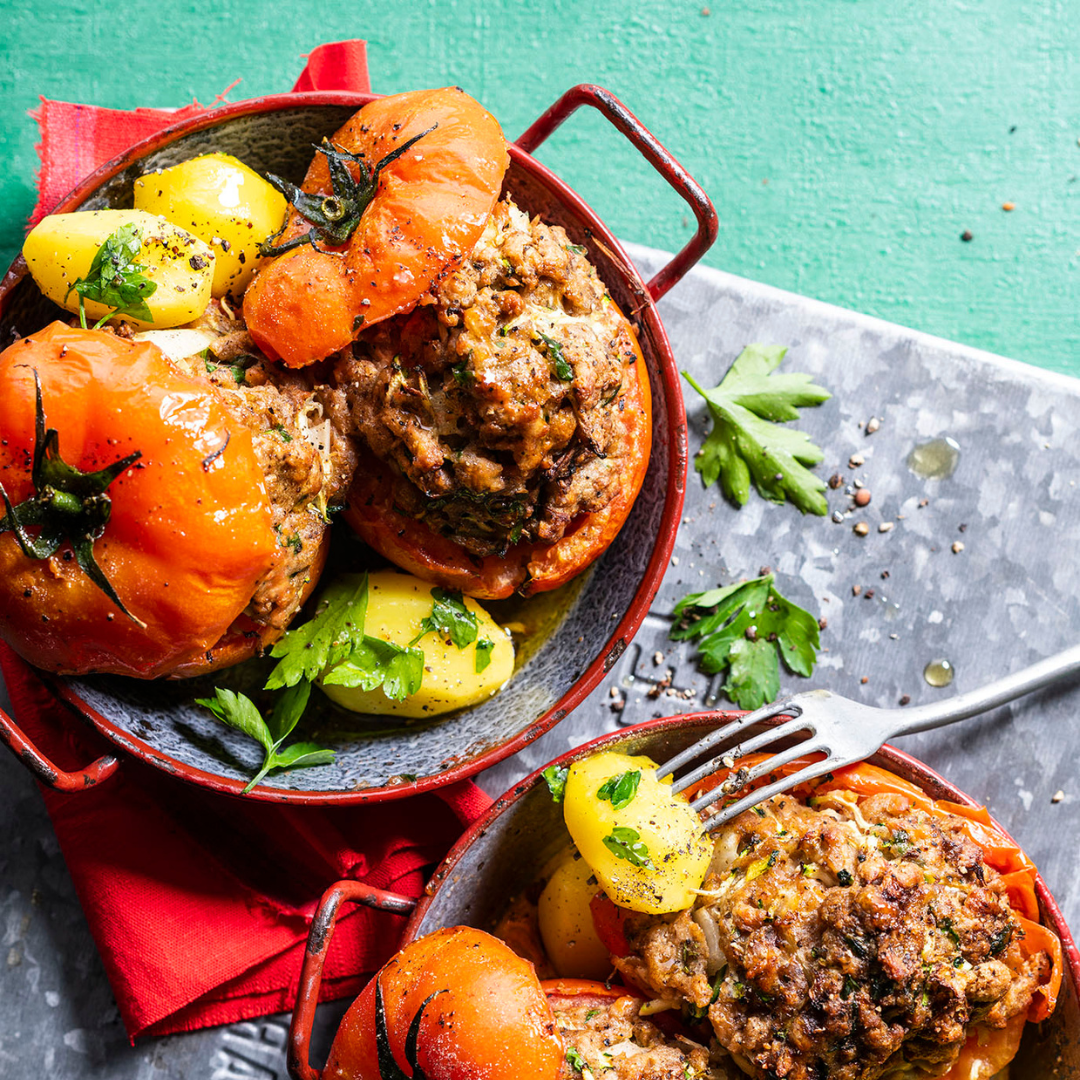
[
  {"x": 747, "y": 443},
  {"x": 484, "y": 649},
  {"x": 760, "y": 866},
  {"x": 563, "y": 371},
  {"x": 577, "y": 249},
  {"x": 462, "y": 375},
  {"x": 578, "y": 1063},
  {"x": 295, "y": 543},
  {"x": 450, "y": 618},
  {"x": 742, "y": 627},
  {"x": 625, "y": 843},
  {"x": 116, "y": 280},
  {"x": 850, "y": 987},
  {"x": 279, "y": 429},
  {"x": 333, "y": 646},
  {"x": 620, "y": 790},
  {"x": 555, "y": 777},
  {"x": 240, "y": 712}
]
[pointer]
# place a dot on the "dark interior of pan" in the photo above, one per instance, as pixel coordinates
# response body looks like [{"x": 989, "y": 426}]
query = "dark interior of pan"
[{"x": 160, "y": 721}]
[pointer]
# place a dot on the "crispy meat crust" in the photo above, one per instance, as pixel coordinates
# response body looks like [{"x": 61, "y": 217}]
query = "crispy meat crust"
[
  {"x": 841, "y": 941},
  {"x": 498, "y": 405}
]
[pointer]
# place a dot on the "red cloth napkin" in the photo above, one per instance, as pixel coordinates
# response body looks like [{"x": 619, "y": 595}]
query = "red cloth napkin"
[
  {"x": 200, "y": 903},
  {"x": 76, "y": 139}
]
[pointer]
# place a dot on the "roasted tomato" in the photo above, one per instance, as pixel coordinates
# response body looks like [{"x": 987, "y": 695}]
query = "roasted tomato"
[
  {"x": 401, "y": 194},
  {"x": 527, "y": 568},
  {"x": 137, "y": 520},
  {"x": 455, "y": 1005}
]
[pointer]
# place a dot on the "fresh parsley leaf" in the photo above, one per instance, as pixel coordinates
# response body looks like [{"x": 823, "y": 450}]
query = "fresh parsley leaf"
[
  {"x": 373, "y": 663},
  {"x": 327, "y": 640},
  {"x": 741, "y": 627},
  {"x": 462, "y": 375},
  {"x": 576, "y": 248},
  {"x": 115, "y": 279},
  {"x": 555, "y": 776},
  {"x": 289, "y": 706},
  {"x": 280, "y": 429},
  {"x": 240, "y": 712},
  {"x": 746, "y": 442},
  {"x": 554, "y": 349},
  {"x": 303, "y": 754},
  {"x": 625, "y": 843},
  {"x": 620, "y": 790},
  {"x": 484, "y": 649},
  {"x": 451, "y": 618}
]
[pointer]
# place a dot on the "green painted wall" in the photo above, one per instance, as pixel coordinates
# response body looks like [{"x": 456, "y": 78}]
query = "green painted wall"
[{"x": 846, "y": 143}]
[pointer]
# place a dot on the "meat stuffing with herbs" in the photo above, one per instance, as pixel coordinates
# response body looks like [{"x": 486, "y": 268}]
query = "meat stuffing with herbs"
[
  {"x": 307, "y": 464},
  {"x": 498, "y": 404},
  {"x": 615, "y": 1042},
  {"x": 841, "y": 941}
]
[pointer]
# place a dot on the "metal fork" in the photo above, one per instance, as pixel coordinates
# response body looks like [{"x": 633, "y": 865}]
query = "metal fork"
[{"x": 845, "y": 731}]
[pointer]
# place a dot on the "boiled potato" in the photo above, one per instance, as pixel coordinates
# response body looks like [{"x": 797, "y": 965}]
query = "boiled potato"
[
  {"x": 566, "y": 923},
  {"x": 649, "y": 855},
  {"x": 224, "y": 203},
  {"x": 61, "y": 247},
  {"x": 397, "y": 604}
]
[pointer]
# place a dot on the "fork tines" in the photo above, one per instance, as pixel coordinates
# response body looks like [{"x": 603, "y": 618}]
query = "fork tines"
[{"x": 739, "y": 778}]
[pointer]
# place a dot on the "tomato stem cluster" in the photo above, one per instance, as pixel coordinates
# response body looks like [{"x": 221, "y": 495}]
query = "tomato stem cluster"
[
  {"x": 333, "y": 218},
  {"x": 69, "y": 505}
]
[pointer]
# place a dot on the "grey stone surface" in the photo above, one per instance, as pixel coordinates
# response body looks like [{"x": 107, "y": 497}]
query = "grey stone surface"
[{"x": 1009, "y": 597}]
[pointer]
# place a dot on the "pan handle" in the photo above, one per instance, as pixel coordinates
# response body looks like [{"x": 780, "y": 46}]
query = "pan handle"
[
  {"x": 12, "y": 736},
  {"x": 655, "y": 153},
  {"x": 322, "y": 928}
]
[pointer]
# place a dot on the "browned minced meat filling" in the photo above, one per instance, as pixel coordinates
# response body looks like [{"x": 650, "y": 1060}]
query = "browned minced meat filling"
[
  {"x": 614, "y": 1042},
  {"x": 499, "y": 404},
  {"x": 841, "y": 941},
  {"x": 307, "y": 464}
]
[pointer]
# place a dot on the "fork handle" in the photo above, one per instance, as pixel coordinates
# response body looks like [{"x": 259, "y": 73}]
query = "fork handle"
[{"x": 938, "y": 714}]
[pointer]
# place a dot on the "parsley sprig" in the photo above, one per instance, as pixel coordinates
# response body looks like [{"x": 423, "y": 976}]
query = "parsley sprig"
[
  {"x": 747, "y": 442},
  {"x": 240, "y": 712},
  {"x": 116, "y": 280},
  {"x": 333, "y": 646},
  {"x": 742, "y": 627}
]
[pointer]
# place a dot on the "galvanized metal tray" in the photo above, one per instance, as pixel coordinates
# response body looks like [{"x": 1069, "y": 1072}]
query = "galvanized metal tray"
[{"x": 1008, "y": 596}]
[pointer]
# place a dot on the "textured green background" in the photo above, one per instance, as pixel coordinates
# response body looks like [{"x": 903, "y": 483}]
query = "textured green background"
[{"x": 846, "y": 144}]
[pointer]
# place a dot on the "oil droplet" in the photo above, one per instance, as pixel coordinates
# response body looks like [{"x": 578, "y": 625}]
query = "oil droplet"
[
  {"x": 938, "y": 673},
  {"x": 935, "y": 460}
]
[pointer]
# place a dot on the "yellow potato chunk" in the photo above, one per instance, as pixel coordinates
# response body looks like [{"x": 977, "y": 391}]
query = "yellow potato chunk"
[
  {"x": 60, "y": 249},
  {"x": 566, "y": 924},
  {"x": 224, "y": 203},
  {"x": 397, "y": 605},
  {"x": 648, "y": 855}
]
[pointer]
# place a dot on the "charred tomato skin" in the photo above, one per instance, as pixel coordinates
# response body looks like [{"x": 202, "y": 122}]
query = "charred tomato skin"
[
  {"x": 189, "y": 532},
  {"x": 526, "y": 568},
  {"x": 489, "y": 1018},
  {"x": 430, "y": 208}
]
